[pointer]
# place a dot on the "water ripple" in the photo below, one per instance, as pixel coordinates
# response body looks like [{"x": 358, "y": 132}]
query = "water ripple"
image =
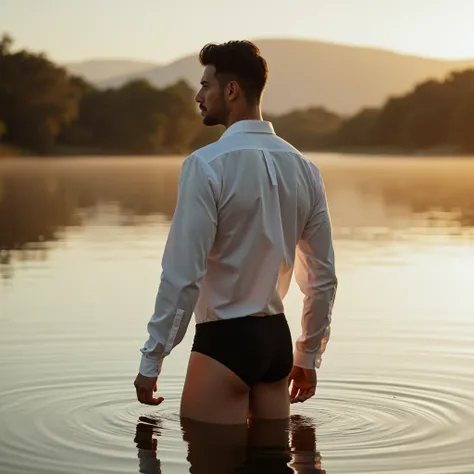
[
  {"x": 382, "y": 424},
  {"x": 84, "y": 422},
  {"x": 69, "y": 422}
]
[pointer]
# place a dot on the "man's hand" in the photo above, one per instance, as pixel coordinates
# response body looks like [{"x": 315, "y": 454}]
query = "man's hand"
[
  {"x": 304, "y": 384},
  {"x": 145, "y": 386}
]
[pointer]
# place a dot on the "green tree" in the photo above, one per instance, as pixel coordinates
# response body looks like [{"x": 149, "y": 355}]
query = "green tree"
[
  {"x": 462, "y": 127},
  {"x": 425, "y": 121},
  {"x": 179, "y": 107},
  {"x": 205, "y": 135},
  {"x": 434, "y": 113},
  {"x": 135, "y": 118},
  {"x": 6, "y": 43},
  {"x": 358, "y": 130},
  {"x": 36, "y": 98},
  {"x": 308, "y": 129}
]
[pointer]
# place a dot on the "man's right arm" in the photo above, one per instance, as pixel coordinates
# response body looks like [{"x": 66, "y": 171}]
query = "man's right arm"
[{"x": 316, "y": 277}]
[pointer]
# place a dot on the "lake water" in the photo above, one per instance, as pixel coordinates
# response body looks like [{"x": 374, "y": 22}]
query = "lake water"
[{"x": 81, "y": 244}]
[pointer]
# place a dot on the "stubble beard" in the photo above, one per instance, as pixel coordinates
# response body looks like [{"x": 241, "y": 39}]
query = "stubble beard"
[{"x": 218, "y": 118}]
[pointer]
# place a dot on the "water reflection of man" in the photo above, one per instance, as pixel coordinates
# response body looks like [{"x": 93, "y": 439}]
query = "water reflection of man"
[
  {"x": 273, "y": 446},
  {"x": 250, "y": 209}
]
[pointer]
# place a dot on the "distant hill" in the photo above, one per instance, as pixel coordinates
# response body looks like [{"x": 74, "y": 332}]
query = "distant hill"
[
  {"x": 98, "y": 70},
  {"x": 312, "y": 73}
]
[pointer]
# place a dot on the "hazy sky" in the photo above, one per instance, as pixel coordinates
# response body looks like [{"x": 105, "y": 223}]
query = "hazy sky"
[{"x": 161, "y": 31}]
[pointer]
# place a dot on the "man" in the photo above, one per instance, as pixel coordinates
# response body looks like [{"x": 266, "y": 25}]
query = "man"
[{"x": 250, "y": 208}]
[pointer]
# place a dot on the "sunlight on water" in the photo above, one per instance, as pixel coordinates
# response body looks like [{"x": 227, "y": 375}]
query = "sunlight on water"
[{"x": 80, "y": 249}]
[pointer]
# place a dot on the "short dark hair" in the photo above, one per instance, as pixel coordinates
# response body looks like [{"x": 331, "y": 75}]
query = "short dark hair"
[{"x": 240, "y": 61}]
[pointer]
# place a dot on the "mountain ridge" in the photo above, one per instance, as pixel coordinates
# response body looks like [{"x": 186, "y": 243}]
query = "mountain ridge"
[
  {"x": 305, "y": 73},
  {"x": 101, "y": 69}
]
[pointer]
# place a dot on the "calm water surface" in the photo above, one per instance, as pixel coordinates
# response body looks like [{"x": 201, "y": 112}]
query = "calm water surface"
[{"x": 81, "y": 243}]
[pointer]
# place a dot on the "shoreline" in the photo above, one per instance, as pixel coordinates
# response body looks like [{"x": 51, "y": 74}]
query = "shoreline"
[{"x": 14, "y": 152}]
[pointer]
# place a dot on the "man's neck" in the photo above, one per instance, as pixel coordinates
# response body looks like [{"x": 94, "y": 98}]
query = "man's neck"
[{"x": 250, "y": 114}]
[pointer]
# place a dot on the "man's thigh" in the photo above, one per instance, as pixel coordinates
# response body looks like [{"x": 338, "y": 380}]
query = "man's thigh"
[
  {"x": 212, "y": 393},
  {"x": 270, "y": 401}
]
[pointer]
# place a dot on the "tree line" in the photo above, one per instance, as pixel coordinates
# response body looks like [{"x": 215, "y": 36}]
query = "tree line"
[
  {"x": 46, "y": 110},
  {"x": 43, "y": 109},
  {"x": 434, "y": 114}
]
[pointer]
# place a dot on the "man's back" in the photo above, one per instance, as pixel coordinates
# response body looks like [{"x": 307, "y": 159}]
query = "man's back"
[{"x": 265, "y": 192}]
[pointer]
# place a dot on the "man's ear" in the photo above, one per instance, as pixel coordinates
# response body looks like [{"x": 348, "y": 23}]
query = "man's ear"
[{"x": 233, "y": 90}]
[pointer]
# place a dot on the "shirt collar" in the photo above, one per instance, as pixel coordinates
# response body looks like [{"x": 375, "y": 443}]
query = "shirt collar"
[{"x": 249, "y": 126}]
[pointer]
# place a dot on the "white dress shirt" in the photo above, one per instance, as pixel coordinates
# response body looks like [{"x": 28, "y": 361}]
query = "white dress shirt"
[{"x": 250, "y": 210}]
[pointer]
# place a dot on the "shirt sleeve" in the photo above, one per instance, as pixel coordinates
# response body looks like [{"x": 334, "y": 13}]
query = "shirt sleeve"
[
  {"x": 315, "y": 274},
  {"x": 190, "y": 239}
]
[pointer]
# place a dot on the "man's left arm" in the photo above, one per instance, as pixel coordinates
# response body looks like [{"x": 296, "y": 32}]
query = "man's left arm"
[{"x": 191, "y": 236}]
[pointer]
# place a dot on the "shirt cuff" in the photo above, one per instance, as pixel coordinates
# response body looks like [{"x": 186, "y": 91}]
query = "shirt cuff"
[
  {"x": 306, "y": 360},
  {"x": 150, "y": 367}
]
